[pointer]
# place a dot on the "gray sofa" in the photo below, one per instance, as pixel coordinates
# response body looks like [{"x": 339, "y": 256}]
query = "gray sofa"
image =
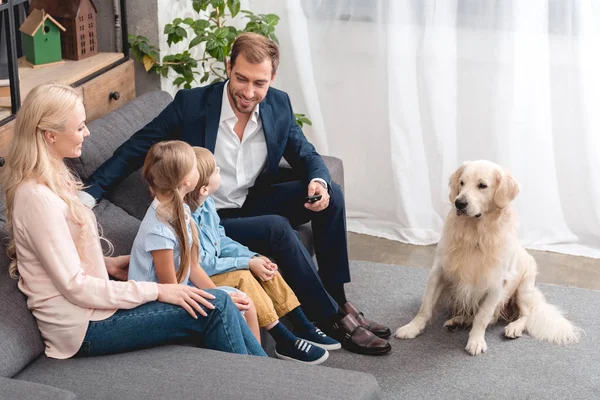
[{"x": 170, "y": 371}]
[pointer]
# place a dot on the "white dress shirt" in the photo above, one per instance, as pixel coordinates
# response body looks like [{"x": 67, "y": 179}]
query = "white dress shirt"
[{"x": 241, "y": 162}]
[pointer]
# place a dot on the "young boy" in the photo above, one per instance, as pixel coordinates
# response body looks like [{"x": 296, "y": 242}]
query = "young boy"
[{"x": 228, "y": 263}]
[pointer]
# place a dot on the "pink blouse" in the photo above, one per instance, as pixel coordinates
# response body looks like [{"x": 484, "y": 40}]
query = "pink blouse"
[{"x": 62, "y": 271}]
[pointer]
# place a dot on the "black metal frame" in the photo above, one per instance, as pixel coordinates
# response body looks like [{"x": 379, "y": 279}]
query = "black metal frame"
[
  {"x": 124, "y": 34},
  {"x": 7, "y": 15},
  {"x": 13, "y": 39}
]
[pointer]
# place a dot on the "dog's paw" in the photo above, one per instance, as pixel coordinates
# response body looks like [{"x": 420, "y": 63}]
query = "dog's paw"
[
  {"x": 476, "y": 346},
  {"x": 409, "y": 331},
  {"x": 514, "y": 330}
]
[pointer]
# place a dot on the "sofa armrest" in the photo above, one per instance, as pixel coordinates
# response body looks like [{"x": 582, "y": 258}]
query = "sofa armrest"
[
  {"x": 336, "y": 170},
  {"x": 15, "y": 389},
  {"x": 333, "y": 164}
]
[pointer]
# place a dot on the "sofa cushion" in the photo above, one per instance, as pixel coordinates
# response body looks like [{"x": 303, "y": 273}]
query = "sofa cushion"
[
  {"x": 20, "y": 340},
  {"x": 179, "y": 372},
  {"x": 113, "y": 129},
  {"x": 11, "y": 389}
]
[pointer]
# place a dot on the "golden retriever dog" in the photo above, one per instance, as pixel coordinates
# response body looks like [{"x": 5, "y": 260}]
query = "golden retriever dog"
[{"x": 480, "y": 272}]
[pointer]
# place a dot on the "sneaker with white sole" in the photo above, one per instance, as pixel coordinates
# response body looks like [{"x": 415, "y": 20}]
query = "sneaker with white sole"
[
  {"x": 302, "y": 351},
  {"x": 319, "y": 338}
]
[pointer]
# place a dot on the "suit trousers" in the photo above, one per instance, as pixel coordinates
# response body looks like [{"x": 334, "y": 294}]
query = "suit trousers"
[{"x": 265, "y": 223}]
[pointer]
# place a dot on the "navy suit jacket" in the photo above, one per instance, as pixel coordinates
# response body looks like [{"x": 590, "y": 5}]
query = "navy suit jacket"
[{"x": 194, "y": 117}]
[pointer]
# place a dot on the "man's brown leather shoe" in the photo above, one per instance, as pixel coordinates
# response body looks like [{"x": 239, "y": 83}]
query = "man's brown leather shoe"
[
  {"x": 378, "y": 329},
  {"x": 356, "y": 338}
]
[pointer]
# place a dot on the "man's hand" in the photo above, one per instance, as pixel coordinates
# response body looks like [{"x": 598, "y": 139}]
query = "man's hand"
[
  {"x": 315, "y": 188},
  {"x": 261, "y": 268},
  {"x": 117, "y": 267}
]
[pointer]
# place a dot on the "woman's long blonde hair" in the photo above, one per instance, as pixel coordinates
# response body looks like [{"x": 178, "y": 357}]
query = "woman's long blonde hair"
[
  {"x": 47, "y": 107},
  {"x": 206, "y": 166},
  {"x": 166, "y": 166}
]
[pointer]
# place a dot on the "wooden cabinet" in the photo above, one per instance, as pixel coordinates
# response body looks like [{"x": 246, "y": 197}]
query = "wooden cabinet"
[
  {"x": 107, "y": 81},
  {"x": 108, "y": 91}
]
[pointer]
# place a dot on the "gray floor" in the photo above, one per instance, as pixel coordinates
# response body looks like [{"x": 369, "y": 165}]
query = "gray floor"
[
  {"x": 435, "y": 365},
  {"x": 554, "y": 268}
]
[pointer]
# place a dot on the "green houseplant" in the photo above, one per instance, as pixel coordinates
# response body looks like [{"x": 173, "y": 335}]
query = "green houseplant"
[{"x": 211, "y": 28}]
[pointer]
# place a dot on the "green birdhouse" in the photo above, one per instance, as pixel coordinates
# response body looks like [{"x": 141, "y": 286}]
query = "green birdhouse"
[{"x": 42, "y": 38}]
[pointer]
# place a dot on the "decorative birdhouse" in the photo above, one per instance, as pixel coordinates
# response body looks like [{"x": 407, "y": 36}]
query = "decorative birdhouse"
[
  {"x": 79, "y": 19},
  {"x": 42, "y": 38}
]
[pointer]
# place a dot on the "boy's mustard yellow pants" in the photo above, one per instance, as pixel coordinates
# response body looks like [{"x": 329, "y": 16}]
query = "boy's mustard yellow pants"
[{"x": 273, "y": 298}]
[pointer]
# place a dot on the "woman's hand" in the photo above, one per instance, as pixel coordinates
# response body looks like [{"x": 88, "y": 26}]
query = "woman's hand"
[
  {"x": 117, "y": 267},
  {"x": 241, "y": 301},
  {"x": 190, "y": 298}
]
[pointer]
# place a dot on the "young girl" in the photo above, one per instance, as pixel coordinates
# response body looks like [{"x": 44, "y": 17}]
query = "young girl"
[
  {"x": 165, "y": 249},
  {"x": 228, "y": 262}
]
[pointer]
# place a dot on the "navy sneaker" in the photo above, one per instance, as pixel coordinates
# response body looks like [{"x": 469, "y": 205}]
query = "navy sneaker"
[
  {"x": 318, "y": 338},
  {"x": 302, "y": 352}
]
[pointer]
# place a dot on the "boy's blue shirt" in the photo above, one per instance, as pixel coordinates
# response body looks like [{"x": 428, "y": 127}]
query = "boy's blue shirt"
[{"x": 218, "y": 253}]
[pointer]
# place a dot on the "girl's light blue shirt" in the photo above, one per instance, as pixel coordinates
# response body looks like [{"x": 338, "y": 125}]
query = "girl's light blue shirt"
[{"x": 153, "y": 235}]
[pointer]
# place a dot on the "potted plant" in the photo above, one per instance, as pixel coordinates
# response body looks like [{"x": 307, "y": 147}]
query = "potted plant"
[{"x": 212, "y": 29}]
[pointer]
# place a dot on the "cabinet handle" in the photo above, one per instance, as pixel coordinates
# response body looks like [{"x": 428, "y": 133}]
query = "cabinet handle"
[{"x": 114, "y": 96}]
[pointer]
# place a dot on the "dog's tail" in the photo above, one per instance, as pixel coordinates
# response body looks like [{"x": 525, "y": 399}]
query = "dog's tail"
[{"x": 546, "y": 322}]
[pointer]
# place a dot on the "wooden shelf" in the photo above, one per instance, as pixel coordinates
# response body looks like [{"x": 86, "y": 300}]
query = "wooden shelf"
[{"x": 66, "y": 73}]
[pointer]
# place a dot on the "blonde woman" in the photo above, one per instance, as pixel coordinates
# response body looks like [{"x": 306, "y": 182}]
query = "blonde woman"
[{"x": 58, "y": 259}]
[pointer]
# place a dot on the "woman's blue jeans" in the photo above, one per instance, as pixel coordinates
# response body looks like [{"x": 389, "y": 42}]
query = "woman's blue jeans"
[{"x": 157, "y": 323}]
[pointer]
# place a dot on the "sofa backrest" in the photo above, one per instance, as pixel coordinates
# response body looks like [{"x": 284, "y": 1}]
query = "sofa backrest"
[
  {"x": 113, "y": 129},
  {"x": 107, "y": 134},
  {"x": 20, "y": 340}
]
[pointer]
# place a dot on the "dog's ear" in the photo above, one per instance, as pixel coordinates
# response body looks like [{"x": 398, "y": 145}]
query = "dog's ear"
[
  {"x": 453, "y": 183},
  {"x": 507, "y": 189}
]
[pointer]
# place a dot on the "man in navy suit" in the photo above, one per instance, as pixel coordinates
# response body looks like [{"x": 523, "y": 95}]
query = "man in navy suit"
[{"x": 250, "y": 126}]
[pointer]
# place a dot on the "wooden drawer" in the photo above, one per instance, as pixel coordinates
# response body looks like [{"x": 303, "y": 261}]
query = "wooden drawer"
[
  {"x": 6, "y": 133},
  {"x": 96, "y": 92},
  {"x": 108, "y": 91}
]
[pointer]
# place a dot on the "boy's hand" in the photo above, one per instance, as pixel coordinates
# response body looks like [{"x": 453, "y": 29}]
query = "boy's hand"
[
  {"x": 270, "y": 264},
  {"x": 260, "y": 268},
  {"x": 117, "y": 267},
  {"x": 241, "y": 302}
]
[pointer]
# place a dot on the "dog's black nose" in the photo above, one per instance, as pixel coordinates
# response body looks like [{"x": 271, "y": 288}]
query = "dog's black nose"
[{"x": 460, "y": 204}]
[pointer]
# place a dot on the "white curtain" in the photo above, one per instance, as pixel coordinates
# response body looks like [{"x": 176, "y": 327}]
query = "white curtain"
[{"x": 403, "y": 91}]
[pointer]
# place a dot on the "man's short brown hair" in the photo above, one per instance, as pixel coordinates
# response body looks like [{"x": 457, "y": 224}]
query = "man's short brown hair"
[{"x": 256, "y": 48}]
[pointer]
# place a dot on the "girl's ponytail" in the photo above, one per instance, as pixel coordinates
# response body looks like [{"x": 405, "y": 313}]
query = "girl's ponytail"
[{"x": 166, "y": 166}]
